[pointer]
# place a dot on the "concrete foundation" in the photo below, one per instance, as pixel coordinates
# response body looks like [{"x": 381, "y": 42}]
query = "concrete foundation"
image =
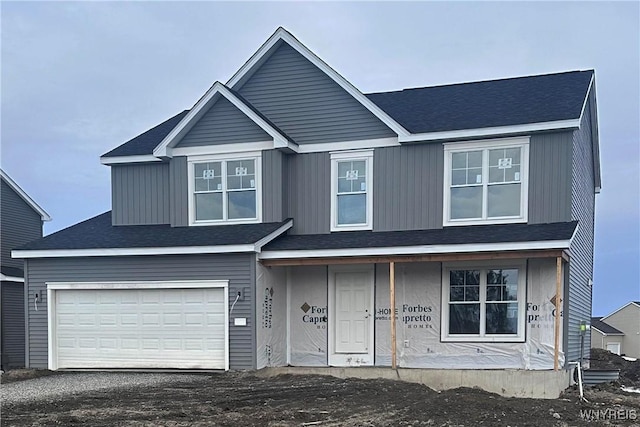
[{"x": 505, "y": 382}]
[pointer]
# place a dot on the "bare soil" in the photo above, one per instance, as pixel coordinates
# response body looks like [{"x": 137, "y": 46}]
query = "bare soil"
[{"x": 243, "y": 399}]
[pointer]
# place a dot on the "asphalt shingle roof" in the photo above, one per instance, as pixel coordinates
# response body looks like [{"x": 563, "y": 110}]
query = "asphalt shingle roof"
[
  {"x": 603, "y": 327},
  {"x": 505, "y": 102},
  {"x": 12, "y": 271},
  {"x": 503, "y": 233},
  {"x": 145, "y": 143},
  {"x": 98, "y": 233},
  {"x": 474, "y": 105}
]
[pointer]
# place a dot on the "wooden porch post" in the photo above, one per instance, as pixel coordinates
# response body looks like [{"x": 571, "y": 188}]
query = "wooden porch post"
[
  {"x": 558, "y": 299},
  {"x": 392, "y": 305}
]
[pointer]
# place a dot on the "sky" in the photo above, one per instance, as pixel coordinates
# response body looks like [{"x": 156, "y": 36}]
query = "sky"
[{"x": 81, "y": 78}]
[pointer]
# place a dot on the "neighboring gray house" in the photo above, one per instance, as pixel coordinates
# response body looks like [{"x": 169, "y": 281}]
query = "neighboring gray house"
[
  {"x": 619, "y": 332},
  {"x": 275, "y": 222},
  {"x": 20, "y": 222}
]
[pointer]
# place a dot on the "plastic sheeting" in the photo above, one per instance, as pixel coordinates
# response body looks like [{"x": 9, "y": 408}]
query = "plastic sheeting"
[
  {"x": 271, "y": 306},
  {"x": 418, "y": 311}
]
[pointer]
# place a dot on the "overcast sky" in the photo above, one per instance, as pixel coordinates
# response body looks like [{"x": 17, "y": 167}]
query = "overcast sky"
[{"x": 79, "y": 79}]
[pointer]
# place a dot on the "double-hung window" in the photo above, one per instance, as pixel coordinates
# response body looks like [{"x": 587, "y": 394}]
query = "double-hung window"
[
  {"x": 486, "y": 182},
  {"x": 224, "y": 190},
  {"x": 483, "y": 304},
  {"x": 351, "y": 190}
]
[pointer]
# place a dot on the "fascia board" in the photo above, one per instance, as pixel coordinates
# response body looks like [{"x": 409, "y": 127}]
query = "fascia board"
[
  {"x": 284, "y": 35},
  {"x": 415, "y": 250},
  {"x": 101, "y": 252},
  {"x": 117, "y": 160},
  {"x": 24, "y": 196},
  {"x": 268, "y": 238},
  {"x": 492, "y": 131}
]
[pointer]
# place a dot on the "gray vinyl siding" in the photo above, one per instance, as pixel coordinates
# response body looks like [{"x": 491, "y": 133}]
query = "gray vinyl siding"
[
  {"x": 273, "y": 164},
  {"x": 408, "y": 187},
  {"x": 306, "y": 104},
  {"x": 550, "y": 177},
  {"x": 179, "y": 192},
  {"x": 140, "y": 194},
  {"x": 583, "y": 210},
  {"x": 223, "y": 124},
  {"x": 20, "y": 225},
  {"x": 308, "y": 182},
  {"x": 237, "y": 268},
  {"x": 12, "y": 328}
]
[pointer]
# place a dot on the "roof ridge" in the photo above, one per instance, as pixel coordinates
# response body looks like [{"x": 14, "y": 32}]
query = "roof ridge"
[{"x": 480, "y": 81}]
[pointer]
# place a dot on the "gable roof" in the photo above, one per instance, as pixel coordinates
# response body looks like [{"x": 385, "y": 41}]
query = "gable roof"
[
  {"x": 163, "y": 149},
  {"x": 98, "y": 237},
  {"x": 603, "y": 327},
  {"x": 476, "y": 238},
  {"x": 24, "y": 196},
  {"x": 489, "y": 104},
  {"x": 635, "y": 303}
]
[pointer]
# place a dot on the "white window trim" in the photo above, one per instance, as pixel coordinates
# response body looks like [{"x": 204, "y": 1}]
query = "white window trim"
[
  {"x": 192, "y": 160},
  {"x": 366, "y": 155},
  {"x": 483, "y": 145},
  {"x": 522, "y": 296}
]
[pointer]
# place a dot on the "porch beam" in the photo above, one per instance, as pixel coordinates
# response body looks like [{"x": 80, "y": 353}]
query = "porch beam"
[
  {"x": 392, "y": 305},
  {"x": 384, "y": 259}
]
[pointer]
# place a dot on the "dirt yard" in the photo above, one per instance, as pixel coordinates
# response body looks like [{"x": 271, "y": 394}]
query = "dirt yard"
[{"x": 241, "y": 399}]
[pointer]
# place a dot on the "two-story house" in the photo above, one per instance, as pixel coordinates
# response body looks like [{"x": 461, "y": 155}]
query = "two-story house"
[
  {"x": 285, "y": 217},
  {"x": 21, "y": 220}
]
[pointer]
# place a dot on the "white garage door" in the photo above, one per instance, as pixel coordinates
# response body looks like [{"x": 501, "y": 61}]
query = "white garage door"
[{"x": 139, "y": 326}]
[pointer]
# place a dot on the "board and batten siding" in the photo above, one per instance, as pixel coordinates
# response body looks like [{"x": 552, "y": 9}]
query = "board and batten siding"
[
  {"x": 20, "y": 224},
  {"x": 12, "y": 327},
  {"x": 179, "y": 191},
  {"x": 238, "y": 269},
  {"x": 223, "y": 124},
  {"x": 408, "y": 187},
  {"x": 550, "y": 177},
  {"x": 305, "y": 103},
  {"x": 583, "y": 210},
  {"x": 273, "y": 189},
  {"x": 308, "y": 183},
  {"x": 140, "y": 194}
]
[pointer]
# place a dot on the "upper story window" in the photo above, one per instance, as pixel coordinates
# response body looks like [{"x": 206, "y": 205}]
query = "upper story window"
[
  {"x": 483, "y": 303},
  {"x": 486, "y": 182},
  {"x": 224, "y": 189},
  {"x": 351, "y": 190}
]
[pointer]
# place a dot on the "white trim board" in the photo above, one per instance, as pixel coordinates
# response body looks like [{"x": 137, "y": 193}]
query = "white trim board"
[
  {"x": 172, "y": 250},
  {"x": 117, "y": 160},
  {"x": 283, "y": 35},
  {"x": 164, "y": 149},
  {"x": 5, "y": 278},
  {"x": 24, "y": 196},
  {"x": 416, "y": 250}
]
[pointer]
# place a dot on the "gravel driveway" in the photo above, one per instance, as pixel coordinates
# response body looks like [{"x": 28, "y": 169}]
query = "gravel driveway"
[{"x": 60, "y": 386}]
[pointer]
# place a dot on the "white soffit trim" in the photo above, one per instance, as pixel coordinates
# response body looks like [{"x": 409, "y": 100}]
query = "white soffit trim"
[
  {"x": 491, "y": 131},
  {"x": 166, "y": 284},
  {"x": 415, "y": 250},
  {"x": 586, "y": 98},
  {"x": 284, "y": 35},
  {"x": 28, "y": 200},
  {"x": 164, "y": 148},
  {"x": 143, "y": 158},
  {"x": 172, "y": 250},
  {"x": 4, "y": 278}
]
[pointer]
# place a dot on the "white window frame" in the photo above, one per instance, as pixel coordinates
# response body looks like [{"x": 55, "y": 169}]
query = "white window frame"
[
  {"x": 354, "y": 155},
  {"x": 483, "y": 337},
  {"x": 485, "y": 146},
  {"x": 193, "y": 160}
]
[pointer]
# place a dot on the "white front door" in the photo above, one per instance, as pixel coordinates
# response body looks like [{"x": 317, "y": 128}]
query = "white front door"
[{"x": 353, "y": 318}]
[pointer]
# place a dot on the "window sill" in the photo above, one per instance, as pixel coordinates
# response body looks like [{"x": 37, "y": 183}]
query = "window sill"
[
  {"x": 485, "y": 339},
  {"x": 225, "y": 222},
  {"x": 351, "y": 228},
  {"x": 495, "y": 221}
]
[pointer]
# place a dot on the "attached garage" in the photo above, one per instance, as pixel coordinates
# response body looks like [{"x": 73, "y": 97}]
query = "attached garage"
[{"x": 181, "y": 325}]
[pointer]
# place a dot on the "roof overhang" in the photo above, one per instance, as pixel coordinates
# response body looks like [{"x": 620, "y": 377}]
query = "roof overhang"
[
  {"x": 24, "y": 196},
  {"x": 255, "y": 247},
  {"x": 143, "y": 158},
  {"x": 163, "y": 150},
  {"x": 423, "y": 253},
  {"x": 5, "y": 278},
  {"x": 618, "y": 334},
  {"x": 492, "y": 131}
]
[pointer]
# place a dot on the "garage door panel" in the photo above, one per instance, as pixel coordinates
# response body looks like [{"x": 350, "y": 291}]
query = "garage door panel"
[{"x": 141, "y": 328}]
